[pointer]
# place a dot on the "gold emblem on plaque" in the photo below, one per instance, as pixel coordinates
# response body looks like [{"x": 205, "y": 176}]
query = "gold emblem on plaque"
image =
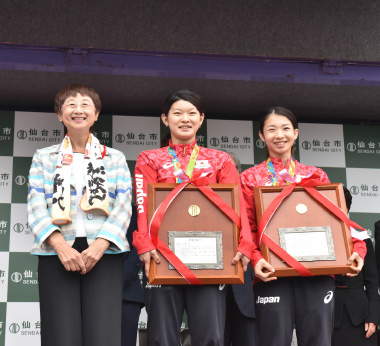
[
  {"x": 194, "y": 210},
  {"x": 301, "y": 208}
]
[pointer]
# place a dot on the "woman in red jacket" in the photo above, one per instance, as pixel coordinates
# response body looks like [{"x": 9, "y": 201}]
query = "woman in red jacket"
[
  {"x": 205, "y": 305},
  {"x": 305, "y": 302}
]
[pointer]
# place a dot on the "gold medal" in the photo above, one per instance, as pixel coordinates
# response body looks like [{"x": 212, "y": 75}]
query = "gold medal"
[
  {"x": 301, "y": 208},
  {"x": 194, "y": 210}
]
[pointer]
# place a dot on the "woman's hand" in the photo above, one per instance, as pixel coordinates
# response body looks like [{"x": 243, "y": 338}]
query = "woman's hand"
[
  {"x": 145, "y": 259},
  {"x": 241, "y": 257},
  {"x": 94, "y": 253},
  {"x": 69, "y": 257},
  {"x": 370, "y": 328},
  {"x": 355, "y": 257},
  {"x": 262, "y": 265}
]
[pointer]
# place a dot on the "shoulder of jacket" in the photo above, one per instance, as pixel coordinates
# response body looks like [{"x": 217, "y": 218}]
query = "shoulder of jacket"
[
  {"x": 256, "y": 168},
  {"x": 148, "y": 155},
  {"x": 308, "y": 167},
  {"x": 111, "y": 151},
  {"x": 47, "y": 153},
  {"x": 215, "y": 153},
  {"x": 49, "y": 150}
]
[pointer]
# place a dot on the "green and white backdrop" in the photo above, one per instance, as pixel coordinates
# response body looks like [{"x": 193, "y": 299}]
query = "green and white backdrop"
[{"x": 349, "y": 154}]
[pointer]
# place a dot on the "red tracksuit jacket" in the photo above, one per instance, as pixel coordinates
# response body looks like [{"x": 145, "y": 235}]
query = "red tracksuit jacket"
[
  {"x": 155, "y": 166},
  {"x": 258, "y": 176}
]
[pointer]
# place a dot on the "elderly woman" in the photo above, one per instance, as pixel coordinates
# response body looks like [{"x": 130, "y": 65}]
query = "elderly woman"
[{"x": 79, "y": 209}]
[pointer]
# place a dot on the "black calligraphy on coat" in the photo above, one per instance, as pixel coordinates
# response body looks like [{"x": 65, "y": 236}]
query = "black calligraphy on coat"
[
  {"x": 58, "y": 183},
  {"x": 96, "y": 183}
]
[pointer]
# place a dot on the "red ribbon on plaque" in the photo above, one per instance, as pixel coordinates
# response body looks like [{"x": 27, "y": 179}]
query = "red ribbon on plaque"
[{"x": 309, "y": 183}]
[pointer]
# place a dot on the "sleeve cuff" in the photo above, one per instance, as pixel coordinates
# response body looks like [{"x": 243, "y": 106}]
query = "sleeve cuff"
[
  {"x": 359, "y": 247},
  {"x": 142, "y": 242},
  {"x": 42, "y": 239},
  {"x": 256, "y": 256},
  {"x": 245, "y": 247}
]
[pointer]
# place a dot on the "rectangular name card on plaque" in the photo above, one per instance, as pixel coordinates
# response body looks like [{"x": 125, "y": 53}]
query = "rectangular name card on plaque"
[
  {"x": 306, "y": 229},
  {"x": 199, "y": 234}
]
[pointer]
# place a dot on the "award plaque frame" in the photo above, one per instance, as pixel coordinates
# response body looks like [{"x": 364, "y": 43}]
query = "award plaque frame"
[
  {"x": 300, "y": 212},
  {"x": 192, "y": 212}
]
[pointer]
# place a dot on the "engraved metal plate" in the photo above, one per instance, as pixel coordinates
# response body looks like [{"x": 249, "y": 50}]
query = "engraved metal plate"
[
  {"x": 194, "y": 210},
  {"x": 196, "y": 249},
  {"x": 301, "y": 208},
  {"x": 308, "y": 244}
]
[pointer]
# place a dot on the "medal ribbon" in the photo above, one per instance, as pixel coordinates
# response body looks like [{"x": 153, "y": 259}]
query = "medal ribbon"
[
  {"x": 272, "y": 173},
  {"x": 200, "y": 180},
  {"x": 309, "y": 184},
  {"x": 190, "y": 165}
]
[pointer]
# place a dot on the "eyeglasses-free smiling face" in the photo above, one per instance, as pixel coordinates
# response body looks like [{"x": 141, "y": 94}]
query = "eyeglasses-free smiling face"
[
  {"x": 78, "y": 113},
  {"x": 184, "y": 121},
  {"x": 279, "y": 136}
]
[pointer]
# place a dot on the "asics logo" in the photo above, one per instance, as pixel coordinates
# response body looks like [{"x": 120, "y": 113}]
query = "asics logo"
[{"x": 328, "y": 297}]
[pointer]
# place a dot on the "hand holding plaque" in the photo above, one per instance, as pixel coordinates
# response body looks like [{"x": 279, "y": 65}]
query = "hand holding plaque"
[{"x": 356, "y": 264}]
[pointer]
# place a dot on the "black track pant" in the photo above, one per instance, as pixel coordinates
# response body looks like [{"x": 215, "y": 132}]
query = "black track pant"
[
  {"x": 304, "y": 302},
  {"x": 80, "y": 310},
  {"x": 205, "y": 307}
]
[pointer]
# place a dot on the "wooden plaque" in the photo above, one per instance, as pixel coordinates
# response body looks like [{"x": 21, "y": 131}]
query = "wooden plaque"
[
  {"x": 178, "y": 218},
  {"x": 300, "y": 210}
]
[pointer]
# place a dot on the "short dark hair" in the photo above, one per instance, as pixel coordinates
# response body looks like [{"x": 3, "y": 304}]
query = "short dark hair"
[
  {"x": 165, "y": 140},
  {"x": 348, "y": 196},
  {"x": 72, "y": 91},
  {"x": 186, "y": 95},
  {"x": 279, "y": 111}
]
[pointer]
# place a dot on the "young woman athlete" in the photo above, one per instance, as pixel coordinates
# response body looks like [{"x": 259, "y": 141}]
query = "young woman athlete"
[
  {"x": 306, "y": 302},
  {"x": 206, "y": 304}
]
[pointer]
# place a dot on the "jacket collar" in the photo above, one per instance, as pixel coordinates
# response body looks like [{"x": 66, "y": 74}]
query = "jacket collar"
[
  {"x": 182, "y": 147},
  {"x": 56, "y": 147},
  {"x": 277, "y": 163}
]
